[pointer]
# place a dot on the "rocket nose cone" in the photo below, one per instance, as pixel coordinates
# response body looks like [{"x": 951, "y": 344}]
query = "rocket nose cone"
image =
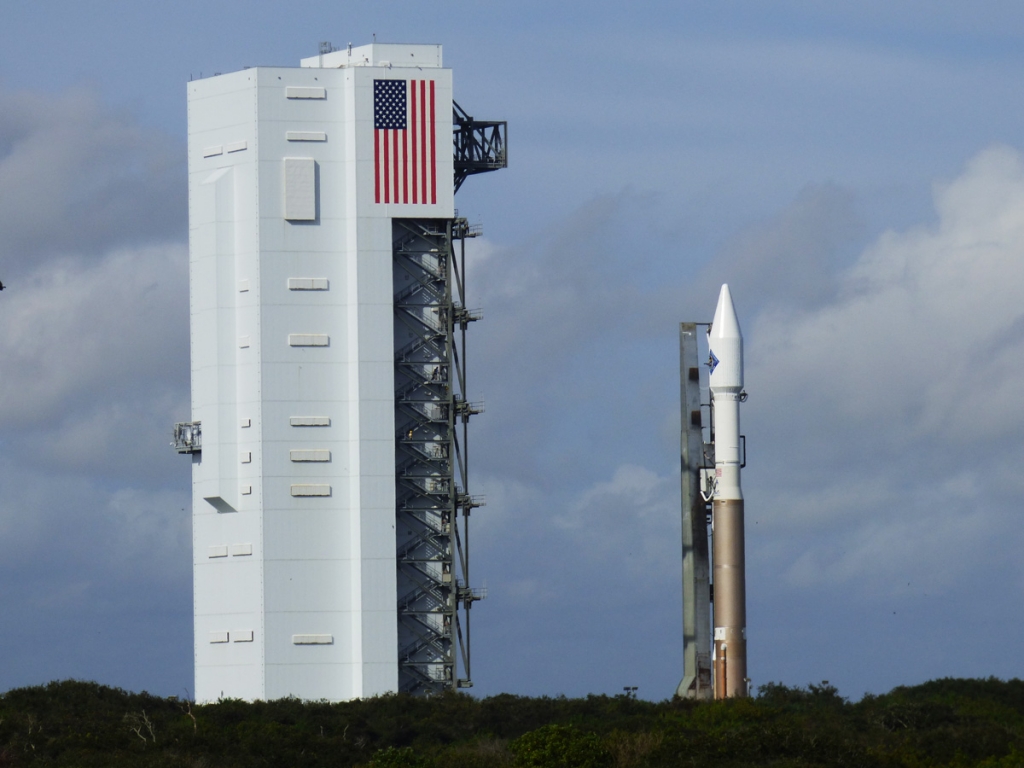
[
  {"x": 726, "y": 344},
  {"x": 725, "y": 325}
]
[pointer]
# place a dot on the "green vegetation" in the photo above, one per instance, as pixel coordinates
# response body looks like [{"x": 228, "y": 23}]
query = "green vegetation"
[{"x": 957, "y": 723}]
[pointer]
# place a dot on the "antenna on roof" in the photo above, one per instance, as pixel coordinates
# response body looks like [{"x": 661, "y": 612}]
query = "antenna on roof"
[{"x": 325, "y": 47}]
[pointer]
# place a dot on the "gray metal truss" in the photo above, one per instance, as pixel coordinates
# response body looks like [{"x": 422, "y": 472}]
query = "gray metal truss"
[
  {"x": 431, "y": 459},
  {"x": 480, "y": 145},
  {"x": 696, "y": 682}
]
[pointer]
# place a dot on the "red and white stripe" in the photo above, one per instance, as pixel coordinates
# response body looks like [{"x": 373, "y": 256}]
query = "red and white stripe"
[{"x": 405, "y": 161}]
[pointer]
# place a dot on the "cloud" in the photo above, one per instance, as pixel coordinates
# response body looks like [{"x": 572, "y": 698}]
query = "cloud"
[
  {"x": 890, "y": 406},
  {"x": 77, "y": 178},
  {"x": 630, "y": 522},
  {"x": 94, "y": 510},
  {"x": 925, "y": 338},
  {"x": 84, "y": 332}
]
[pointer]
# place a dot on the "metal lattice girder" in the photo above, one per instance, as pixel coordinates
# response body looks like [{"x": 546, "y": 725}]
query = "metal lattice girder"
[
  {"x": 431, "y": 468},
  {"x": 480, "y": 145}
]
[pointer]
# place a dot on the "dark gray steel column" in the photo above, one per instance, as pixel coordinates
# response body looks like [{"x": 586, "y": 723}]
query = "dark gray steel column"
[{"x": 696, "y": 682}]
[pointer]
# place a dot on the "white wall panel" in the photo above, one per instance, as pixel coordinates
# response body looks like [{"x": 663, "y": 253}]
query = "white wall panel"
[{"x": 299, "y": 188}]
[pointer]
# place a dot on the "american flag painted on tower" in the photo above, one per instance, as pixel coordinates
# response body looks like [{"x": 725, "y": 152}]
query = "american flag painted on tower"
[{"x": 405, "y": 147}]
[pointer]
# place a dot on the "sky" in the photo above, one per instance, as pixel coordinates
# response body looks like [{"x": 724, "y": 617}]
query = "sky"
[{"x": 853, "y": 171}]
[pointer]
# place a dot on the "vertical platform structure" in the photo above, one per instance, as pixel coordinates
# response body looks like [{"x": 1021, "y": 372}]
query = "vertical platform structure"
[
  {"x": 328, "y": 384},
  {"x": 694, "y": 461}
]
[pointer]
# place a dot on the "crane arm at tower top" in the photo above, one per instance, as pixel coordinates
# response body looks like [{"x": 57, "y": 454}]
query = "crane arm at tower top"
[{"x": 480, "y": 145}]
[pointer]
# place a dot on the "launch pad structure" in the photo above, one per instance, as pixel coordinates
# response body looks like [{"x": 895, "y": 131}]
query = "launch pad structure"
[
  {"x": 330, "y": 405},
  {"x": 696, "y": 457},
  {"x": 713, "y": 578}
]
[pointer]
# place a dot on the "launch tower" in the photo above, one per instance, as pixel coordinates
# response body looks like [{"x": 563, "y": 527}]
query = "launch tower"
[{"x": 331, "y": 497}]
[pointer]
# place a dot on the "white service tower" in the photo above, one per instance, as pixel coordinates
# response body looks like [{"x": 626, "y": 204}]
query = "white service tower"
[{"x": 329, "y": 482}]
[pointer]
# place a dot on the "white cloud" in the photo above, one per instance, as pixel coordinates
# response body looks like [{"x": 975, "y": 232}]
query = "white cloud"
[
  {"x": 629, "y": 523},
  {"x": 78, "y": 178},
  {"x": 81, "y": 334},
  {"x": 94, "y": 509},
  {"x": 926, "y": 337},
  {"x": 892, "y": 404}
]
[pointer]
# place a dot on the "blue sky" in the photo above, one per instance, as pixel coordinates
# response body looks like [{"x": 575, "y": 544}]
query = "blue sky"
[{"x": 853, "y": 173}]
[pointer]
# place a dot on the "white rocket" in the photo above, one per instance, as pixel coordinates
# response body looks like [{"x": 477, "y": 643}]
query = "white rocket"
[{"x": 730, "y": 609}]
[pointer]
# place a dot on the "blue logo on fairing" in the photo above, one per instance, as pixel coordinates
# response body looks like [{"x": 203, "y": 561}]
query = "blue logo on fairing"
[{"x": 712, "y": 363}]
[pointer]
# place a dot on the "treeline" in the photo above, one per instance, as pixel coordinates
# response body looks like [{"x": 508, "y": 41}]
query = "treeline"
[{"x": 948, "y": 722}]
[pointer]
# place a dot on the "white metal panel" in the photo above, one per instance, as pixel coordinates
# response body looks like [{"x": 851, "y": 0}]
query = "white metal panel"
[
  {"x": 310, "y": 489},
  {"x": 320, "y": 382},
  {"x": 299, "y": 189},
  {"x": 308, "y": 340},
  {"x": 308, "y": 284},
  {"x": 310, "y": 421},
  {"x": 319, "y": 532},
  {"x": 305, "y": 92},
  {"x": 306, "y": 136},
  {"x": 310, "y": 455},
  {"x": 313, "y": 639},
  {"x": 398, "y": 55},
  {"x": 228, "y": 590},
  {"x": 314, "y": 681}
]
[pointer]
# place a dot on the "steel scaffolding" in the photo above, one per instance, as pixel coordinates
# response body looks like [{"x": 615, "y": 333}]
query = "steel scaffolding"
[{"x": 431, "y": 457}]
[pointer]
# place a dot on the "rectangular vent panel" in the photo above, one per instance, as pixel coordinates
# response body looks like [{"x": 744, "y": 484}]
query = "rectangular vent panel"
[
  {"x": 307, "y": 284},
  {"x": 304, "y": 92},
  {"x": 299, "y": 189},
  {"x": 310, "y": 455},
  {"x": 309, "y": 340},
  {"x": 307, "y": 489},
  {"x": 240, "y": 550},
  {"x": 313, "y": 639},
  {"x": 305, "y": 136},
  {"x": 310, "y": 421},
  {"x": 218, "y": 551},
  {"x": 236, "y": 146},
  {"x": 241, "y": 636},
  {"x": 213, "y": 151},
  {"x": 218, "y": 637}
]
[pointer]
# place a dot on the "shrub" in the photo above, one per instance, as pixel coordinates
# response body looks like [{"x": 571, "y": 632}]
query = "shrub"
[{"x": 559, "y": 746}]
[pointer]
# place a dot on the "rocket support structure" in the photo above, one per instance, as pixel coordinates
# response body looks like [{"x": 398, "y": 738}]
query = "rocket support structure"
[
  {"x": 722, "y": 487},
  {"x": 728, "y": 557}
]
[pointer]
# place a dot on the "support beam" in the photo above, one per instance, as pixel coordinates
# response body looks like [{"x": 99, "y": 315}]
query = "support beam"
[{"x": 696, "y": 682}]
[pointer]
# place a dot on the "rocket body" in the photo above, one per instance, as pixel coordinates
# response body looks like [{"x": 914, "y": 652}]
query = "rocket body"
[{"x": 728, "y": 556}]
